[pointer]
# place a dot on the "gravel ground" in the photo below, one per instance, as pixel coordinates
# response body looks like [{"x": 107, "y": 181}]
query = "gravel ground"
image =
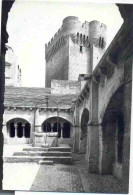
[
  {"x": 73, "y": 178},
  {"x": 57, "y": 177}
]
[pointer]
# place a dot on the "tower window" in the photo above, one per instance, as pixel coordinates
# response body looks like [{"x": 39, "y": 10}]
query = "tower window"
[{"x": 81, "y": 48}]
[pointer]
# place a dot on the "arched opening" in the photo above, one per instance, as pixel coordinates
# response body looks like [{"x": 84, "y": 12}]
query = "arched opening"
[
  {"x": 83, "y": 137},
  {"x": 57, "y": 128},
  {"x": 12, "y": 130},
  {"x": 46, "y": 127},
  {"x": 19, "y": 130},
  {"x": 66, "y": 130},
  {"x": 60, "y": 125},
  {"x": 112, "y": 134},
  {"x": 27, "y": 130}
]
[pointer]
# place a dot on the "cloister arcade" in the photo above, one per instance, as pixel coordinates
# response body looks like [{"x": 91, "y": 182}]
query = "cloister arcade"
[
  {"x": 113, "y": 135},
  {"x": 17, "y": 129},
  {"x": 55, "y": 124}
]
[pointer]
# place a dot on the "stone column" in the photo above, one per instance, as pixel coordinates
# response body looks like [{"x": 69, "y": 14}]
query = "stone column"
[
  {"x": 5, "y": 131},
  {"x": 127, "y": 130},
  {"x": 106, "y": 147},
  {"x": 92, "y": 149},
  {"x": 61, "y": 136},
  {"x": 23, "y": 125},
  {"x": 75, "y": 138},
  {"x": 16, "y": 125},
  {"x": 71, "y": 135},
  {"x": 52, "y": 125}
]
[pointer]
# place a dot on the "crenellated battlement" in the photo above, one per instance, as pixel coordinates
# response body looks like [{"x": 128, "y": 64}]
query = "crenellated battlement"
[
  {"x": 93, "y": 30},
  {"x": 53, "y": 40},
  {"x": 75, "y": 43},
  {"x": 56, "y": 47}
]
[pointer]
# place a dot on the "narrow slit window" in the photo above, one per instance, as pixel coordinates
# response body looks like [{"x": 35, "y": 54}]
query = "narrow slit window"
[{"x": 81, "y": 48}]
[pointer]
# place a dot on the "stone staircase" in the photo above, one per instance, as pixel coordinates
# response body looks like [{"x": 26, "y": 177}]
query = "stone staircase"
[{"x": 42, "y": 155}]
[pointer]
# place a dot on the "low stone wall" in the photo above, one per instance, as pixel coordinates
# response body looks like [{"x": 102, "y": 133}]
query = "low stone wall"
[{"x": 48, "y": 139}]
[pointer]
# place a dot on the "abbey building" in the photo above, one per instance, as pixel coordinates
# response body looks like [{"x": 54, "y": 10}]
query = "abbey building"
[{"x": 87, "y": 99}]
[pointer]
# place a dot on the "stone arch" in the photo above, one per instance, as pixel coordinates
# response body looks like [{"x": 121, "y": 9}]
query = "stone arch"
[
  {"x": 112, "y": 132},
  {"x": 58, "y": 124},
  {"x": 112, "y": 91},
  {"x": 17, "y": 118},
  {"x": 17, "y": 129},
  {"x": 83, "y": 136},
  {"x": 55, "y": 118}
]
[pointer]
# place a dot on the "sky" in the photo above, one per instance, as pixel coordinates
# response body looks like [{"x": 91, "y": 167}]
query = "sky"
[{"x": 31, "y": 24}]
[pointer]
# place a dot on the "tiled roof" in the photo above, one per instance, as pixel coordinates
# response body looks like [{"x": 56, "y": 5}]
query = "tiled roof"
[{"x": 32, "y": 97}]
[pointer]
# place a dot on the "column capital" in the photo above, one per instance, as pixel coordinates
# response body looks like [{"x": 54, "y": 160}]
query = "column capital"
[
  {"x": 75, "y": 125},
  {"x": 93, "y": 123},
  {"x": 15, "y": 125}
]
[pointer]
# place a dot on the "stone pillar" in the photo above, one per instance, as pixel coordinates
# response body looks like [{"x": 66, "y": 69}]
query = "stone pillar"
[
  {"x": 5, "y": 132},
  {"x": 127, "y": 130},
  {"x": 16, "y": 128},
  {"x": 32, "y": 133},
  {"x": 52, "y": 125},
  {"x": 23, "y": 125},
  {"x": 106, "y": 147},
  {"x": 75, "y": 138},
  {"x": 61, "y": 136},
  {"x": 82, "y": 141},
  {"x": 92, "y": 149}
]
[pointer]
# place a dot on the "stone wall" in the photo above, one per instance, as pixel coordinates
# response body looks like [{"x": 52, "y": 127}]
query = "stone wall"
[
  {"x": 65, "y": 87},
  {"x": 79, "y": 61},
  {"x": 12, "y": 69},
  {"x": 70, "y": 52},
  {"x": 57, "y": 65}
]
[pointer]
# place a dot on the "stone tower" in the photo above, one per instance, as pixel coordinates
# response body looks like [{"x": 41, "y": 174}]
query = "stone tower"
[
  {"x": 12, "y": 69},
  {"x": 75, "y": 49}
]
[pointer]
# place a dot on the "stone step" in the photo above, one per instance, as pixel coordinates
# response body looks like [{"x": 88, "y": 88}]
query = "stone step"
[
  {"x": 41, "y": 153},
  {"x": 65, "y": 149},
  {"x": 25, "y": 159},
  {"x": 46, "y": 162},
  {"x": 35, "y": 149},
  {"x": 62, "y": 149}
]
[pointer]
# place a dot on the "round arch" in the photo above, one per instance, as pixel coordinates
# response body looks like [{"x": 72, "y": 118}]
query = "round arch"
[
  {"x": 112, "y": 91},
  {"x": 55, "y": 118},
  {"x": 60, "y": 125},
  {"x": 19, "y": 129},
  {"x": 112, "y": 134},
  {"x": 18, "y": 119}
]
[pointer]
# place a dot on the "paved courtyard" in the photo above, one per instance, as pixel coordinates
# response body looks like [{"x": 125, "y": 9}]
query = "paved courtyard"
[{"x": 57, "y": 177}]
